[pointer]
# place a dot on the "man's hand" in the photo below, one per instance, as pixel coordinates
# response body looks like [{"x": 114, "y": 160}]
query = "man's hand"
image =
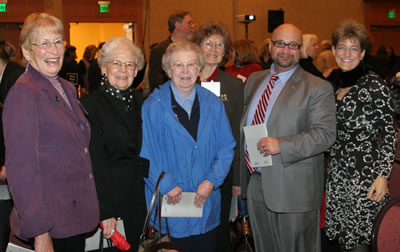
[{"x": 269, "y": 146}]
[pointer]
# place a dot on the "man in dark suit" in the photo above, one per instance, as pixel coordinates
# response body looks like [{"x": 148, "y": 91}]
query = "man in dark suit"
[
  {"x": 284, "y": 199},
  {"x": 181, "y": 26}
]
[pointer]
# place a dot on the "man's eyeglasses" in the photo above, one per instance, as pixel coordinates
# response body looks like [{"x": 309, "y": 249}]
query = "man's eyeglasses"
[
  {"x": 117, "y": 64},
  {"x": 45, "y": 44},
  {"x": 210, "y": 43},
  {"x": 290, "y": 45}
]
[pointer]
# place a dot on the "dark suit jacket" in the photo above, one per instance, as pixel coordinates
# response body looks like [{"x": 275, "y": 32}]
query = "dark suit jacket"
[
  {"x": 157, "y": 76},
  {"x": 48, "y": 163},
  {"x": 303, "y": 119}
]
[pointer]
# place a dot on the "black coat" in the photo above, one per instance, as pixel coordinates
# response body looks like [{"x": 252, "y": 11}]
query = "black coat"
[
  {"x": 232, "y": 96},
  {"x": 118, "y": 171},
  {"x": 10, "y": 75},
  {"x": 308, "y": 65}
]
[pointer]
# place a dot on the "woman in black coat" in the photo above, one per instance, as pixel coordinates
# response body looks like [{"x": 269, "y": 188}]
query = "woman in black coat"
[{"x": 115, "y": 119}]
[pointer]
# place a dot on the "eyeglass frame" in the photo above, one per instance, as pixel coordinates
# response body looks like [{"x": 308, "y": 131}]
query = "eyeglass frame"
[
  {"x": 179, "y": 66},
  {"x": 298, "y": 46},
  {"x": 117, "y": 64},
  {"x": 46, "y": 44},
  {"x": 213, "y": 43},
  {"x": 352, "y": 49}
]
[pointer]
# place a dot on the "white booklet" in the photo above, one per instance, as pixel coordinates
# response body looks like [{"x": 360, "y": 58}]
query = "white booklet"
[
  {"x": 11, "y": 247},
  {"x": 185, "y": 207},
  {"x": 253, "y": 134},
  {"x": 213, "y": 86}
]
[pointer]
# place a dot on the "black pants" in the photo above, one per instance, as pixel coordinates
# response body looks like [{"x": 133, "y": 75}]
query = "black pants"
[
  {"x": 5, "y": 210},
  {"x": 75, "y": 243},
  {"x": 197, "y": 243}
]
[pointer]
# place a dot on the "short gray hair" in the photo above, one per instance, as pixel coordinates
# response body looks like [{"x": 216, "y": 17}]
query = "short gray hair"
[
  {"x": 118, "y": 44},
  {"x": 181, "y": 46}
]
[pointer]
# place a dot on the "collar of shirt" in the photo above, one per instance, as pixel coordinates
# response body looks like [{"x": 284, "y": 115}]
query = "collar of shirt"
[
  {"x": 278, "y": 87},
  {"x": 185, "y": 103},
  {"x": 212, "y": 77},
  {"x": 283, "y": 76}
]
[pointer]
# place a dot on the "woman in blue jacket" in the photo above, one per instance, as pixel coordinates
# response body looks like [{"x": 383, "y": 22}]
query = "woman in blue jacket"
[{"x": 186, "y": 133}]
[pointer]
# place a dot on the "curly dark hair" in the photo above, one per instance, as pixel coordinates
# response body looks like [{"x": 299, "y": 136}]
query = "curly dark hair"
[
  {"x": 350, "y": 29},
  {"x": 207, "y": 30}
]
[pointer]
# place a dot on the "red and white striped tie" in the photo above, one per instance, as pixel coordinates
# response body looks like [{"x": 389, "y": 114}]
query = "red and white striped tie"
[{"x": 259, "y": 115}]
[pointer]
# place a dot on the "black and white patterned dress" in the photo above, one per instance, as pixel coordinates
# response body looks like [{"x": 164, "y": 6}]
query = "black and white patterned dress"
[{"x": 364, "y": 149}]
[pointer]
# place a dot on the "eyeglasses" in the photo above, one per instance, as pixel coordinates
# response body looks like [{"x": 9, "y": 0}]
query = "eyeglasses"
[
  {"x": 352, "y": 49},
  {"x": 45, "y": 44},
  {"x": 117, "y": 64},
  {"x": 210, "y": 43},
  {"x": 290, "y": 45},
  {"x": 179, "y": 66}
]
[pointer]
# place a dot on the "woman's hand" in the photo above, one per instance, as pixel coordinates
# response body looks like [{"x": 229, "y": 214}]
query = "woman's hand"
[
  {"x": 378, "y": 189},
  {"x": 203, "y": 192},
  {"x": 109, "y": 226},
  {"x": 175, "y": 195},
  {"x": 3, "y": 174},
  {"x": 43, "y": 243},
  {"x": 236, "y": 190}
]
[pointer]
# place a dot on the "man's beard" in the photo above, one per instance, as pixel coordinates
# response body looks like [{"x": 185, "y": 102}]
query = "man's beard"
[{"x": 284, "y": 64}]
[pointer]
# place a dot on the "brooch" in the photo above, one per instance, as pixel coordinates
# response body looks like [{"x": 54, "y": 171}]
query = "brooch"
[{"x": 224, "y": 97}]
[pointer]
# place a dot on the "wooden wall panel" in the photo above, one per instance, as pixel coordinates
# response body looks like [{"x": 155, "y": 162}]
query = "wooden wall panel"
[
  {"x": 384, "y": 31},
  {"x": 17, "y": 10}
]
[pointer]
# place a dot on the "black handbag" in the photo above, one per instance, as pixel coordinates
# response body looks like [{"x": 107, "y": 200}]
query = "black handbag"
[
  {"x": 153, "y": 240},
  {"x": 101, "y": 242}
]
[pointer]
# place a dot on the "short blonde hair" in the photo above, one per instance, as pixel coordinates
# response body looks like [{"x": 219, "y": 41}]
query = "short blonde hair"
[
  {"x": 307, "y": 38},
  {"x": 37, "y": 23},
  {"x": 181, "y": 46},
  {"x": 120, "y": 44}
]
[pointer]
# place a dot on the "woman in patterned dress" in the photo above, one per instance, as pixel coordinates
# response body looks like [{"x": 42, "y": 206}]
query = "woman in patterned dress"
[{"x": 362, "y": 156}]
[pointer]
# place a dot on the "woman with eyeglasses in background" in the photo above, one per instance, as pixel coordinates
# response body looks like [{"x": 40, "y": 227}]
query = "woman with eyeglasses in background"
[
  {"x": 114, "y": 113},
  {"x": 47, "y": 139},
  {"x": 215, "y": 43}
]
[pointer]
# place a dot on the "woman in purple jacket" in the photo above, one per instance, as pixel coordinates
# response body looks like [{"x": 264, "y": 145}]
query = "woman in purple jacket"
[{"x": 47, "y": 139}]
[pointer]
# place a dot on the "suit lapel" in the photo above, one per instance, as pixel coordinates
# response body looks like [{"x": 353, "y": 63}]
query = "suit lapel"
[{"x": 281, "y": 102}]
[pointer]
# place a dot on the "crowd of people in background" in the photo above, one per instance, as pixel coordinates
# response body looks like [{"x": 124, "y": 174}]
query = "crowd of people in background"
[{"x": 84, "y": 143}]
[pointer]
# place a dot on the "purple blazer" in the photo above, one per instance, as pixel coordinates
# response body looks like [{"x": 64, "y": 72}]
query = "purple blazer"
[{"x": 48, "y": 165}]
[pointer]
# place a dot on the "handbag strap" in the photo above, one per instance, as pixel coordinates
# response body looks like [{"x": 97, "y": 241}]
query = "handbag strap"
[{"x": 151, "y": 206}]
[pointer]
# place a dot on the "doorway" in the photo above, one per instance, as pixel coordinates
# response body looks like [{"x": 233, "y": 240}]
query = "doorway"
[{"x": 84, "y": 34}]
